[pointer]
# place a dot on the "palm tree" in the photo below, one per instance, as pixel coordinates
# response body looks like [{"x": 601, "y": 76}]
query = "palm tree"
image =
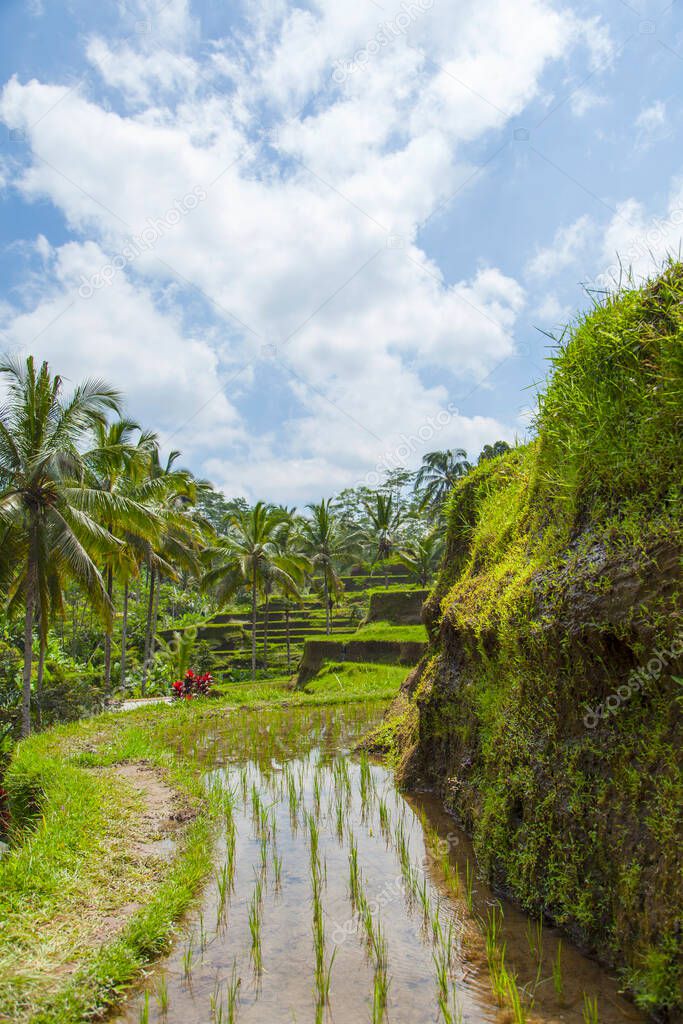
[
  {"x": 422, "y": 557},
  {"x": 248, "y": 556},
  {"x": 291, "y": 557},
  {"x": 112, "y": 464},
  {"x": 327, "y": 544},
  {"x": 438, "y": 475},
  {"x": 170, "y": 492},
  {"x": 52, "y": 516},
  {"x": 385, "y": 521}
]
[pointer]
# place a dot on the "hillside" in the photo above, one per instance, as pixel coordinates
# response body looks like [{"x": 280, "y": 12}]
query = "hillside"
[{"x": 547, "y": 711}]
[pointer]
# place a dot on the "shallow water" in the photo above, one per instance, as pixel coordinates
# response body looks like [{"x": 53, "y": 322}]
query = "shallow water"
[{"x": 298, "y": 805}]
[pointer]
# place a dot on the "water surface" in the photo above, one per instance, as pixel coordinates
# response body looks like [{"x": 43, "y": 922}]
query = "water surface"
[{"x": 322, "y": 862}]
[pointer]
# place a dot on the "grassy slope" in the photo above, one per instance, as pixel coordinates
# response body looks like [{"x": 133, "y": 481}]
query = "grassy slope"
[
  {"x": 561, "y": 575},
  {"x": 378, "y": 631},
  {"x": 69, "y": 867}
]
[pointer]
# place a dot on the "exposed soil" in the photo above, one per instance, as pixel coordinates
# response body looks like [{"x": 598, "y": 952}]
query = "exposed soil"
[{"x": 154, "y": 834}]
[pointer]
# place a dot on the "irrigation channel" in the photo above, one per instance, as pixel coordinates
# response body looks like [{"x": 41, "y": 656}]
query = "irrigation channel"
[{"x": 335, "y": 898}]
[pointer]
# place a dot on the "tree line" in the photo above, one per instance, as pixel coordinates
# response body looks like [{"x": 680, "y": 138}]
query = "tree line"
[{"x": 95, "y": 522}]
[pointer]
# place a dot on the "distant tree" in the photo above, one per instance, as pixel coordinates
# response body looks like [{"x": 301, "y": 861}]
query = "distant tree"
[
  {"x": 492, "y": 451},
  {"x": 438, "y": 475},
  {"x": 383, "y": 533},
  {"x": 421, "y": 557},
  {"x": 327, "y": 543}
]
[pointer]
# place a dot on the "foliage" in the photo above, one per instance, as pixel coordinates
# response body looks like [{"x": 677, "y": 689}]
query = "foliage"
[
  {"x": 192, "y": 685},
  {"x": 561, "y": 575}
]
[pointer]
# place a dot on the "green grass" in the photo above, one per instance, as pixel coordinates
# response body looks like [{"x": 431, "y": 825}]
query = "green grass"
[
  {"x": 70, "y": 867},
  {"x": 379, "y": 631}
]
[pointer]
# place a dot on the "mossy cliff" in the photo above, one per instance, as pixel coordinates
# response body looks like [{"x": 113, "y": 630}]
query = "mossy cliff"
[{"x": 547, "y": 711}]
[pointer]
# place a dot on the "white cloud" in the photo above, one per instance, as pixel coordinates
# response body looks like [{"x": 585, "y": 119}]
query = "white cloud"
[
  {"x": 583, "y": 100},
  {"x": 551, "y": 311},
  {"x": 120, "y": 334},
  {"x": 306, "y": 238},
  {"x": 565, "y": 249},
  {"x": 652, "y": 125},
  {"x": 636, "y": 242}
]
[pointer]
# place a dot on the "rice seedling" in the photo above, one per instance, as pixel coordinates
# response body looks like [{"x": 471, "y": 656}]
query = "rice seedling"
[
  {"x": 440, "y": 959},
  {"x": 144, "y": 1010},
  {"x": 514, "y": 998},
  {"x": 590, "y": 1009},
  {"x": 453, "y": 881},
  {"x": 188, "y": 958},
  {"x": 451, "y": 1012},
  {"x": 437, "y": 934},
  {"x": 354, "y": 876},
  {"x": 381, "y": 975},
  {"x": 162, "y": 995},
  {"x": 314, "y": 836},
  {"x": 203, "y": 936},
  {"x": 384, "y": 819},
  {"x": 340, "y": 821},
  {"x": 231, "y": 861},
  {"x": 558, "y": 980},
  {"x": 223, "y": 887},
  {"x": 216, "y": 1004},
  {"x": 469, "y": 884},
  {"x": 277, "y": 870},
  {"x": 255, "y": 930},
  {"x": 423, "y": 893},
  {"x": 233, "y": 993}
]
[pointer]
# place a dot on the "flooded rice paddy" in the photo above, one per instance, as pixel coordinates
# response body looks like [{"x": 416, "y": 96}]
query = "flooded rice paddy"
[{"x": 337, "y": 899}]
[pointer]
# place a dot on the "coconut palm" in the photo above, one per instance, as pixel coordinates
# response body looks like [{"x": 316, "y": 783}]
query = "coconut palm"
[
  {"x": 327, "y": 544},
  {"x": 438, "y": 475},
  {"x": 170, "y": 492},
  {"x": 113, "y": 463},
  {"x": 53, "y": 518},
  {"x": 382, "y": 534},
  {"x": 248, "y": 556},
  {"x": 292, "y": 557},
  {"x": 422, "y": 557}
]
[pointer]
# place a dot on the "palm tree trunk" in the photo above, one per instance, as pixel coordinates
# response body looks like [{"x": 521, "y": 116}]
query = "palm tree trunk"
[
  {"x": 148, "y": 632},
  {"x": 39, "y": 682},
  {"x": 289, "y": 654},
  {"x": 155, "y": 620},
  {"x": 253, "y": 628},
  {"x": 28, "y": 656},
  {"x": 107, "y": 635},
  {"x": 124, "y": 634}
]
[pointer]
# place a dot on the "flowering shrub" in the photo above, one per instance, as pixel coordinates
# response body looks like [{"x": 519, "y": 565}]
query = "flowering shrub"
[{"x": 192, "y": 685}]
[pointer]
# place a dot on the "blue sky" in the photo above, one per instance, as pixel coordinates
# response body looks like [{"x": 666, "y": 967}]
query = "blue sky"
[{"x": 313, "y": 241}]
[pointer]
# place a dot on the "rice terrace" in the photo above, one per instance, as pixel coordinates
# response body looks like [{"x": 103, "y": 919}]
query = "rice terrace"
[{"x": 341, "y": 562}]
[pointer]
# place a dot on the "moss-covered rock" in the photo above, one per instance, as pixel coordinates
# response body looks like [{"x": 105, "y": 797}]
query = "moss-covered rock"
[{"x": 548, "y": 710}]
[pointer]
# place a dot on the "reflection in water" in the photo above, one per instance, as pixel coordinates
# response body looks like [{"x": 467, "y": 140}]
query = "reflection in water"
[{"x": 337, "y": 899}]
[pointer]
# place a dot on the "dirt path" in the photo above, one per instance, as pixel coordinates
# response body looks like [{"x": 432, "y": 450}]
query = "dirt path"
[
  {"x": 142, "y": 702},
  {"x": 154, "y": 833}
]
